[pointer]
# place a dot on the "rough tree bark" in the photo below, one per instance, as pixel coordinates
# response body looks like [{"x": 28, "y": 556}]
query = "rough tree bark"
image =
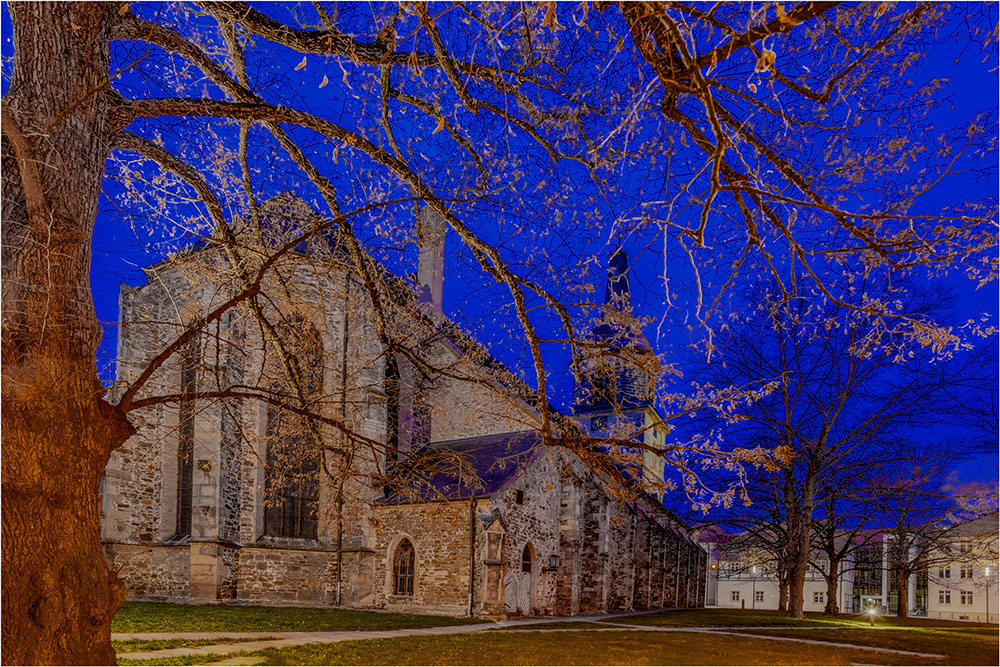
[
  {"x": 903, "y": 588},
  {"x": 783, "y": 590},
  {"x": 59, "y": 596},
  {"x": 798, "y": 510},
  {"x": 832, "y": 607}
]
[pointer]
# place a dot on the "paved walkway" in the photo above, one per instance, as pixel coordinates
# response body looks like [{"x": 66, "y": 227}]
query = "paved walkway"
[{"x": 282, "y": 639}]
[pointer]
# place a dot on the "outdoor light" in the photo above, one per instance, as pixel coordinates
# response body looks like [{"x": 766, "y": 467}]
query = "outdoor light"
[
  {"x": 553, "y": 564},
  {"x": 871, "y": 615}
]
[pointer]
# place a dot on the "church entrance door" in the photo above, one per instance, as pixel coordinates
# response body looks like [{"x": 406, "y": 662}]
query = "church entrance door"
[
  {"x": 510, "y": 594},
  {"x": 524, "y": 597},
  {"x": 524, "y": 590}
]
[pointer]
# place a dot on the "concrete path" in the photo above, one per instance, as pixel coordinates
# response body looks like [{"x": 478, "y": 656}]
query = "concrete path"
[{"x": 282, "y": 639}]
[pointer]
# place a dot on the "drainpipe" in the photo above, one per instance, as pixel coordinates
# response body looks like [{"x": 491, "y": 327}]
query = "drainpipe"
[
  {"x": 346, "y": 321},
  {"x": 472, "y": 553}
]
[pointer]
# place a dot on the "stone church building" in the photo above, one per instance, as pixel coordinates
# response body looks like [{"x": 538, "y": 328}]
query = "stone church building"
[{"x": 446, "y": 501}]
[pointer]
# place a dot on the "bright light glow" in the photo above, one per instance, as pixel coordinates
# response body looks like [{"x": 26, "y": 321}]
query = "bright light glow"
[{"x": 987, "y": 572}]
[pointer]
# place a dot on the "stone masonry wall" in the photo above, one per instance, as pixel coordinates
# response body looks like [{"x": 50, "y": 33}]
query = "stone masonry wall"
[
  {"x": 536, "y": 521},
  {"x": 300, "y": 576},
  {"x": 440, "y": 536},
  {"x": 150, "y": 572}
]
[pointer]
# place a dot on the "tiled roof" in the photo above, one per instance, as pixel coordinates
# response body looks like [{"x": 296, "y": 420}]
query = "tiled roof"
[{"x": 459, "y": 469}]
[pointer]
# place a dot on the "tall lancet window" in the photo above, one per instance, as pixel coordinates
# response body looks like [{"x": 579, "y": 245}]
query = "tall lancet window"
[
  {"x": 291, "y": 496},
  {"x": 392, "y": 386},
  {"x": 185, "y": 443}
]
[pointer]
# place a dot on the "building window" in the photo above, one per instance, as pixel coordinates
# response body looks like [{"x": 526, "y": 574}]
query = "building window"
[
  {"x": 604, "y": 389},
  {"x": 185, "y": 447},
  {"x": 944, "y": 597},
  {"x": 966, "y": 597},
  {"x": 526, "y": 558},
  {"x": 291, "y": 494},
  {"x": 402, "y": 568},
  {"x": 965, "y": 572},
  {"x": 944, "y": 573},
  {"x": 734, "y": 596},
  {"x": 293, "y": 482},
  {"x": 759, "y": 596},
  {"x": 818, "y": 597},
  {"x": 392, "y": 388},
  {"x": 519, "y": 497}
]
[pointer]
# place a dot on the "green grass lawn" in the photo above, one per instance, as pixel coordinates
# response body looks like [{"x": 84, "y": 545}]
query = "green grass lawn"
[
  {"x": 168, "y": 617},
  {"x": 554, "y": 625},
  {"x": 960, "y": 643},
  {"x": 576, "y": 648},
  {"x": 970, "y": 646},
  {"x": 177, "y": 660},
  {"x": 740, "y": 617},
  {"x": 142, "y": 645}
]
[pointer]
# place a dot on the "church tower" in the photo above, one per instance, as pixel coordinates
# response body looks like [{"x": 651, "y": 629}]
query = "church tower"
[{"x": 614, "y": 394}]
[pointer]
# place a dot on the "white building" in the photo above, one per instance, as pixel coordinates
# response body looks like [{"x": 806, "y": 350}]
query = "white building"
[{"x": 960, "y": 585}]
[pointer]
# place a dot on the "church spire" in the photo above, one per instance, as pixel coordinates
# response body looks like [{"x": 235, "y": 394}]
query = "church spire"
[
  {"x": 616, "y": 328},
  {"x": 617, "y": 292}
]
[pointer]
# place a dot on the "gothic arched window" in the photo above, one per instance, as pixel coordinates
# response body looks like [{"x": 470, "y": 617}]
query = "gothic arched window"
[
  {"x": 392, "y": 387},
  {"x": 292, "y": 472},
  {"x": 190, "y": 362},
  {"x": 526, "y": 557},
  {"x": 402, "y": 568}
]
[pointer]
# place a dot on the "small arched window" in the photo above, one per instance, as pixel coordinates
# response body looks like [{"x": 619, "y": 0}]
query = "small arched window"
[
  {"x": 526, "y": 558},
  {"x": 402, "y": 568}
]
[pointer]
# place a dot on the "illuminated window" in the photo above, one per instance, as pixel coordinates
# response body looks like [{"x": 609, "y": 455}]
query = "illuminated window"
[{"x": 965, "y": 572}]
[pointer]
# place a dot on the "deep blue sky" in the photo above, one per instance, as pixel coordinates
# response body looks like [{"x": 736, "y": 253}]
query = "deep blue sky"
[{"x": 120, "y": 250}]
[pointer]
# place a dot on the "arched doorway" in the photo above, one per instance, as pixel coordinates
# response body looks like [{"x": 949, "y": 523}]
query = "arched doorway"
[{"x": 526, "y": 588}]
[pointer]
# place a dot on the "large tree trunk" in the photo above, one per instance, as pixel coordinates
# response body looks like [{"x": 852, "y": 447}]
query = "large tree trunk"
[
  {"x": 783, "y": 590},
  {"x": 58, "y": 432},
  {"x": 832, "y": 607},
  {"x": 797, "y": 578},
  {"x": 902, "y": 586}
]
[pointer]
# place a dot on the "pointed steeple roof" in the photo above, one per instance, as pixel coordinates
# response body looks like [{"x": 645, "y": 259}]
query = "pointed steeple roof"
[
  {"x": 616, "y": 291},
  {"x": 617, "y": 326}
]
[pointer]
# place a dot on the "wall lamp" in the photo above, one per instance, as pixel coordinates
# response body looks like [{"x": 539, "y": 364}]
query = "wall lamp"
[{"x": 553, "y": 564}]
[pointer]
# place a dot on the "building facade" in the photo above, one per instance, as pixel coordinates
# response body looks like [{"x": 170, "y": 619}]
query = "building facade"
[
  {"x": 960, "y": 583},
  {"x": 215, "y": 500}
]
